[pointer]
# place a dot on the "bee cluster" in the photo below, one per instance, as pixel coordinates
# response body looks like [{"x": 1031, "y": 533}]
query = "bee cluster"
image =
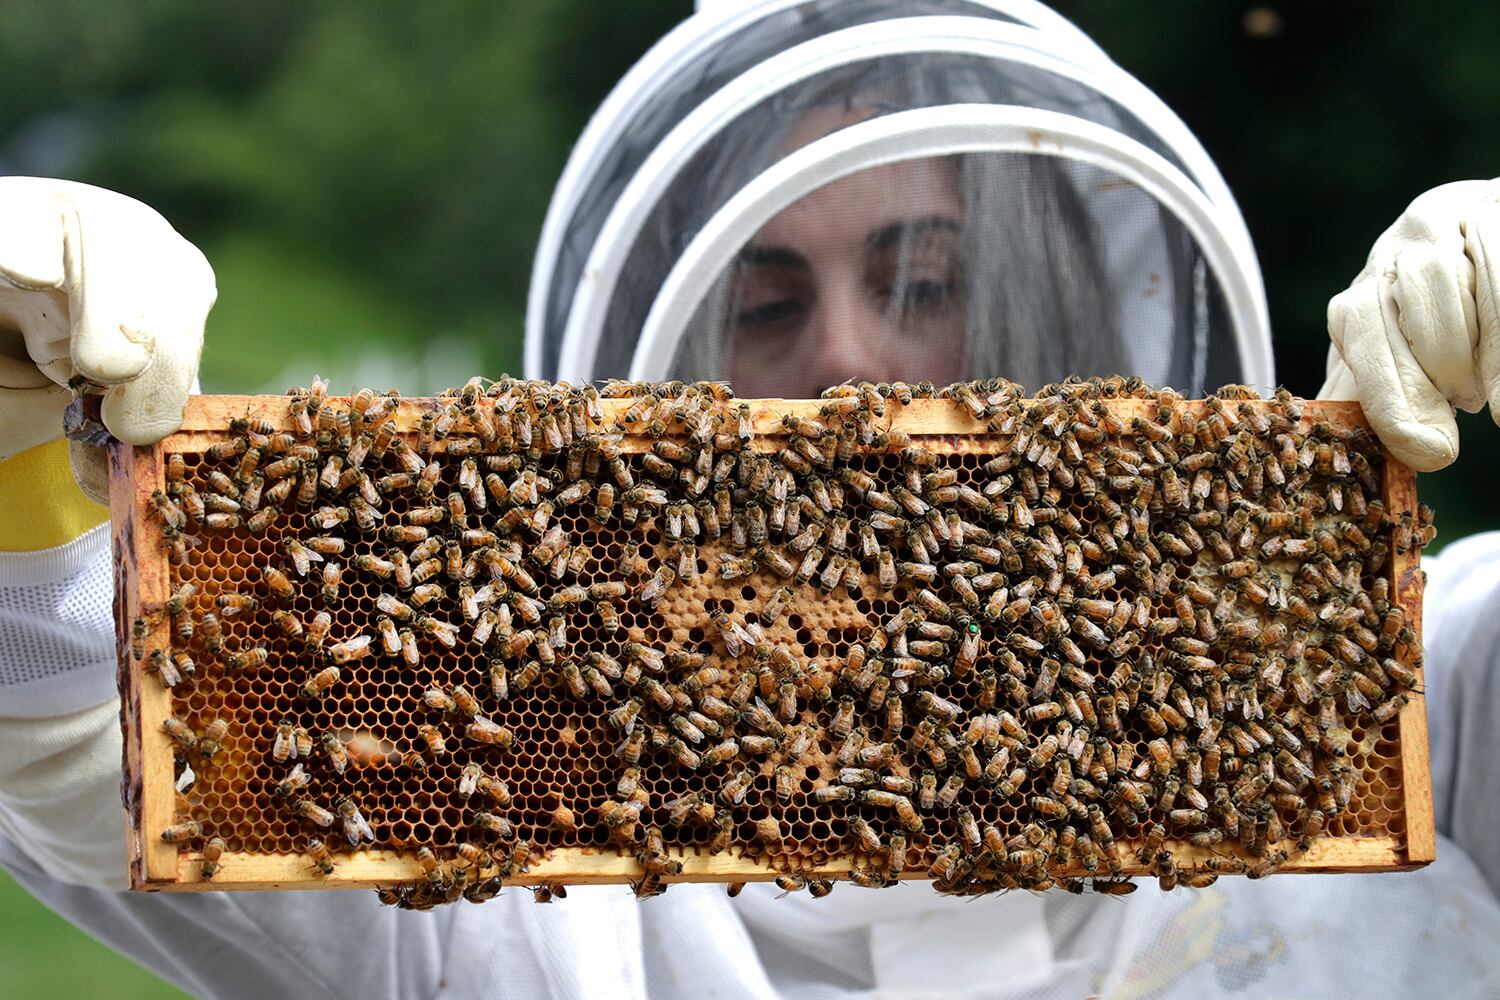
[{"x": 1110, "y": 631}]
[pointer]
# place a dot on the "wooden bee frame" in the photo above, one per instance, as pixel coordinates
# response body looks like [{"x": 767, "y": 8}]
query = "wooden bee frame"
[{"x": 1401, "y": 779}]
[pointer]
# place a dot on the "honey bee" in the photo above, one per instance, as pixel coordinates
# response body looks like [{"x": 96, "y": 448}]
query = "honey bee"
[
  {"x": 1389, "y": 708},
  {"x": 436, "y": 746},
  {"x": 301, "y": 555},
  {"x": 940, "y": 708},
  {"x": 303, "y": 742},
  {"x": 172, "y": 516},
  {"x": 317, "y": 631},
  {"x": 1114, "y": 887},
  {"x": 352, "y": 649},
  {"x": 468, "y": 781},
  {"x": 319, "y": 855},
  {"x": 248, "y": 659},
  {"x": 438, "y": 629},
  {"x": 278, "y": 582},
  {"x": 176, "y": 470},
  {"x": 138, "y": 639},
  {"x": 212, "y": 632},
  {"x": 294, "y": 782},
  {"x": 356, "y": 828},
  {"x": 177, "y": 604},
  {"x": 311, "y": 811},
  {"x": 181, "y": 732},
  {"x": 1267, "y": 865},
  {"x": 212, "y": 738},
  {"x": 495, "y": 790},
  {"x": 169, "y": 670},
  {"x": 284, "y": 745},
  {"x": 179, "y": 832},
  {"x": 660, "y": 581},
  {"x": 333, "y": 575},
  {"x": 482, "y": 730}
]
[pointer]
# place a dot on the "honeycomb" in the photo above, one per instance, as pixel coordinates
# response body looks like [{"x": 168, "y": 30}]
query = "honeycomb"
[{"x": 1105, "y": 630}]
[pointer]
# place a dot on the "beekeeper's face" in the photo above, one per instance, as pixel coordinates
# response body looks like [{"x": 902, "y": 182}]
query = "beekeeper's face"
[{"x": 862, "y": 279}]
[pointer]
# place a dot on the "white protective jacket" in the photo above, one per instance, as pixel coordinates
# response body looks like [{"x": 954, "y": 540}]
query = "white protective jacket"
[{"x": 1398, "y": 935}]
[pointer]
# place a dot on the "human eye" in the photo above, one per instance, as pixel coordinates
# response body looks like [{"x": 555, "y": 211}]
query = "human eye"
[
  {"x": 923, "y": 294},
  {"x": 772, "y": 314},
  {"x": 769, "y": 298},
  {"x": 918, "y": 278}
]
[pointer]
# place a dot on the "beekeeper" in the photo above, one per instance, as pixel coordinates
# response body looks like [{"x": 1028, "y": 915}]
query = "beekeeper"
[{"x": 787, "y": 194}]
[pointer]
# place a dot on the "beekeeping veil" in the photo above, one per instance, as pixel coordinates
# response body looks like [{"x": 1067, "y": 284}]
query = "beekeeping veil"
[{"x": 997, "y": 197}]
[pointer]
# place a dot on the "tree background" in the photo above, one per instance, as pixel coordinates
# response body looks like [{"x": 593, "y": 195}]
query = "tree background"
[{"x": 368, "y": 178}]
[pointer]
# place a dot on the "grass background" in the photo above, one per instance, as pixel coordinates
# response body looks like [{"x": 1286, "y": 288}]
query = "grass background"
[{"x": 44, "y": 956}]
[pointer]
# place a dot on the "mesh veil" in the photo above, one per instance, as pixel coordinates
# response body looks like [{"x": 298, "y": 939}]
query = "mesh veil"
[
  {"x": 1058, "y": 264},
  {"x": 968, "y": 267},
  {"x": 705, "y": 69},
  {"x": 1027, "y": 264}
]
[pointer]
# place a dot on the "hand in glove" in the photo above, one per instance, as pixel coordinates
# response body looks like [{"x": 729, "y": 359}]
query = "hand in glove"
[
  {"x": 1418, "y": 332},
  {"x": 95, "y": 285}
]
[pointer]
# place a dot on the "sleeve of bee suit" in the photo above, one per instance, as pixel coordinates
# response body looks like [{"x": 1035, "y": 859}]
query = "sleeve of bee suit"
[
  {"x": 56, "y": 627},
  {"x": 59, "y": 729},
  {"x": 1461, "y": 634}
]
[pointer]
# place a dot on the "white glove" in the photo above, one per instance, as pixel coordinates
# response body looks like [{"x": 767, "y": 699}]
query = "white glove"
[
  {"x": 1418, "y": 331},
  {"x": 99, "y": 286}
]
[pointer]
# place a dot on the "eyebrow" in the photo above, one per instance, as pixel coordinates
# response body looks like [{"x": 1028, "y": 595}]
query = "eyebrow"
[
  {"x": 881, "y": 239},
  {"x": 756, "y": 256},
  {"x": 893, "y": 234}
]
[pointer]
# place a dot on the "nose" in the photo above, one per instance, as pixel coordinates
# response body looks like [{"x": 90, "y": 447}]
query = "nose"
[{"x": 848, "y": 339}]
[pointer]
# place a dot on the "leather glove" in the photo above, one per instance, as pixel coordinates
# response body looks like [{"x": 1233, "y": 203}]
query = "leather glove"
[
  {"x": 1418, "y": 331},
  {"x": 97, "y": 286}
]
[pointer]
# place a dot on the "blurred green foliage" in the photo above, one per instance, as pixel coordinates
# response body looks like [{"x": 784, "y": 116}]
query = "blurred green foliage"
[
  {"x": 363, "y": 176},
  {"x": 369, "y": 178}
]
